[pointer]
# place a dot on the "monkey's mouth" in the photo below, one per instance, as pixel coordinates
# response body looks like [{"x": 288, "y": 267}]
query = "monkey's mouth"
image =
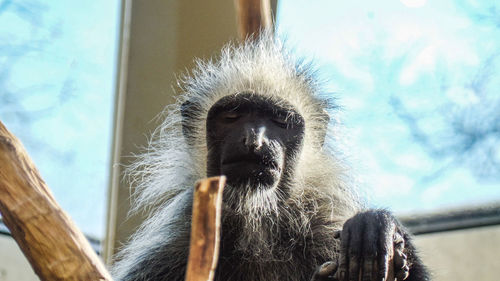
[
  {"x": 251, "y": 159},
  {"x": 255, "y": 168}
]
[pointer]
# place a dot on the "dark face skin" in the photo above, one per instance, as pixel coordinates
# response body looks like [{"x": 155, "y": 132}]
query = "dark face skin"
[{"x": 251, "y": 140}]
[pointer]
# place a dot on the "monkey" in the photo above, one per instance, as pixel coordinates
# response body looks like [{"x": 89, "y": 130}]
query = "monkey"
[{"x": 259, "y": 116}]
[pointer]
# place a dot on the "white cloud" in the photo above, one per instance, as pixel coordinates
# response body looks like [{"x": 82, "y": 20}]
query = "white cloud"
[
  {"x": 414, "y": 3},
  {"x": 462, "y": 96},
  {"x": 423, "y": 62}
]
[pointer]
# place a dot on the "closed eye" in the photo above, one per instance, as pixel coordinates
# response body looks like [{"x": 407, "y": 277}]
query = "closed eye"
[
  {"x": 281, "y": 122},
  {"x": 230, "y": 116}
]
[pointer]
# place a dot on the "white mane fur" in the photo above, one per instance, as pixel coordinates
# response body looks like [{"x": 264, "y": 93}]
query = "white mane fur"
[{"x": 170, "y": 166}]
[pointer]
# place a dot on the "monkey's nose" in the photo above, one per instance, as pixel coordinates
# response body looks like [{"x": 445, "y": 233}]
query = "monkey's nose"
[{"x": 254, "y": 138}]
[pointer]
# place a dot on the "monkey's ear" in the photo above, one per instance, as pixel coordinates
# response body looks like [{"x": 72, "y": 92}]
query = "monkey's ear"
[{"x": 188, "y": 110}]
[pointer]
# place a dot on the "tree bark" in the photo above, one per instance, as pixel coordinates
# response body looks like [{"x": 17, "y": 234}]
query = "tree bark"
[
  {"x": 253, "y": 16},
  {"x": 205, "y": 229},
  {"x": 55, "y": 247}
]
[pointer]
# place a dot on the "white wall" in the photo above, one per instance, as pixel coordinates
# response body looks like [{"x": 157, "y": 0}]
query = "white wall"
[
  {"x": 471, "y": 254},
  {"x": 13, "y": 264}
]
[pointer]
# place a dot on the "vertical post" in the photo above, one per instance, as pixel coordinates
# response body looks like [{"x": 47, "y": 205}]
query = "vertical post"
[
  {"x": 253, "y": 16},
  {"x": 205, "y": 229}
]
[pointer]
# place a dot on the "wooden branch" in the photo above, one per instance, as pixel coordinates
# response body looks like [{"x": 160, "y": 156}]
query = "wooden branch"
[
  {"x": 51, "y": 242},
  {"x": 205, "y": 229},
  {"x": 253, "y": 15}
]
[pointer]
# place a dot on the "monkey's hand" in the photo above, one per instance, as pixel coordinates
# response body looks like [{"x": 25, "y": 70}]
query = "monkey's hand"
[{"x": 368, "y": 241}]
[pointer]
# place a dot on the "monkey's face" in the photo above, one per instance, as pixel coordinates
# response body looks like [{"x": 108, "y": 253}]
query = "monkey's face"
[{"x": 252, "y": 141}]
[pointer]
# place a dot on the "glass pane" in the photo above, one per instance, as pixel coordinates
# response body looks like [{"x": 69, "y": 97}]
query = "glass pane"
[
  {"x": 418, "y": 83},
  {"x": 57, "y": 73}
]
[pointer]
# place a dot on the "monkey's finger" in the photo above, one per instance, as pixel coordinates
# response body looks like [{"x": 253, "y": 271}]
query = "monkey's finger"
[
  {"x": 382, "y": 270},
  {"x": 354, "y": 268},
  {"x": 369, "y": 267},
  {"x": 355, "y": 252},
  {"x": 398, "y": 242},
  {"x": 400, "y": 259},
  {"x": 403, "y": 273},
  {"x": 401, "y": 268},
  {"x": 325, "y": 272},
  {"x": 384, "y": 257},
  {"x": 370, "y": 250},
  {"x": 342, "y": 272}
]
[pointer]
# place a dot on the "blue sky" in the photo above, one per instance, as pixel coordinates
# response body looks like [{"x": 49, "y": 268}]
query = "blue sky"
[
  {"x": 58, "y": 91},
  {"x": 421, "y": 52},
  {"x": 60, "y": 57}
]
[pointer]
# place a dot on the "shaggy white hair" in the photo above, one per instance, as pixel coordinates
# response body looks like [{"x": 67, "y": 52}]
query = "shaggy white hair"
[{"x": 165, "y": 174}]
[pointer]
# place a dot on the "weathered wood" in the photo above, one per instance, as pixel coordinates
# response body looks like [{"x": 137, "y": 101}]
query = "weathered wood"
[
  {"x": 205, "y": 229},
  {"x": 253, "y": 15},
  {"x": 55, "y": 247}
]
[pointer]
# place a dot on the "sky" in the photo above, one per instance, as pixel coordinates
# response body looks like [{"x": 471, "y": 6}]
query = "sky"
[
  {"x": 422, "y": 54},
  {"x": 56, "y": 94},
  {"x": 58, "y": 73}
]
